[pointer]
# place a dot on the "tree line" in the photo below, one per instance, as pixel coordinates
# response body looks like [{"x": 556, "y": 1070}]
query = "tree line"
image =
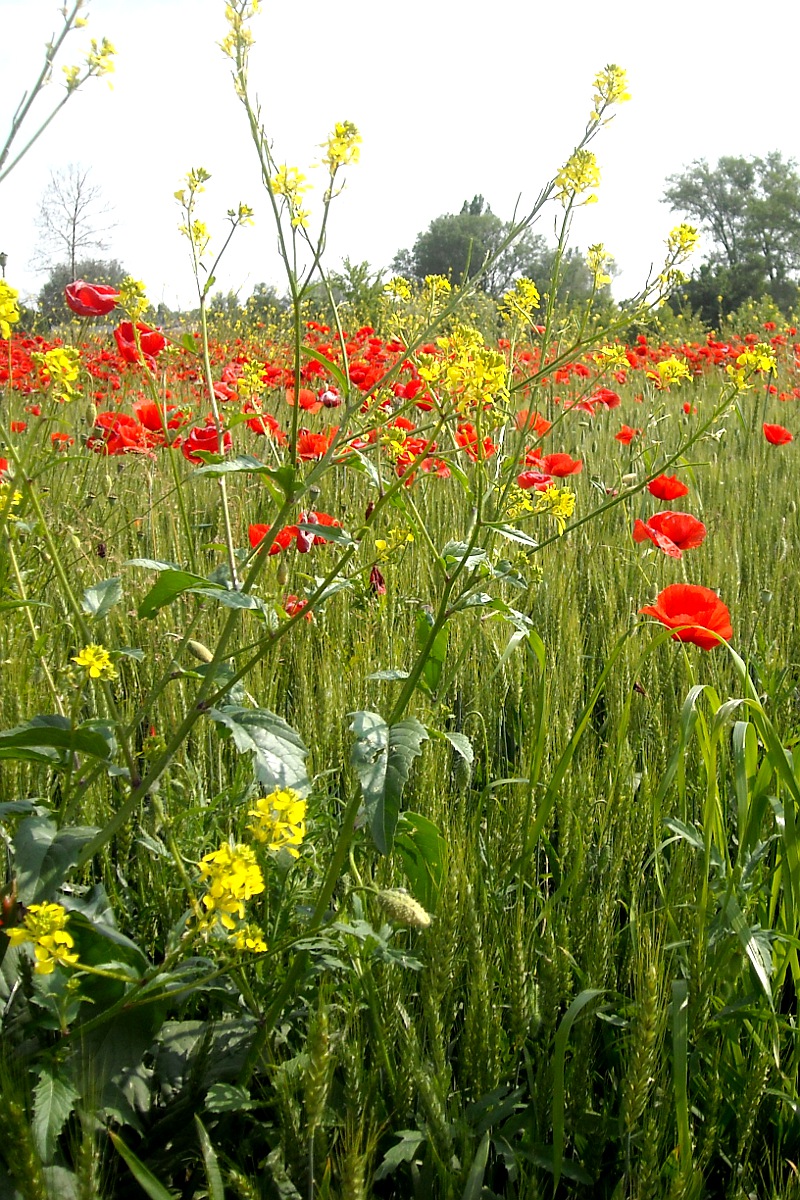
[{"x": 747, "y": 209}]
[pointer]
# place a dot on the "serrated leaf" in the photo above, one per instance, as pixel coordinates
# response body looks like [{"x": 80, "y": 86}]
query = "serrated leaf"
[
  {"x": 44, "y": 854},
  {"x": 460, "y": 552},
  {"x": 152, "y": 564},
  {"x": 53, "y": 1100},
  {"x": 405, "y": 1151},
  {"x": 437, "y": 652},
  {"x": 462, "y": 746},
  {"x": 515, "y": 535},
  {"x": 389, "y": 676},
  {"x": 228, "y": 1097},
  {"x": 229, "y": 599},
  {"x": 101, "y": 597},
  {"x": 382, "y": 756},
  {"x": 422, "y": 850},
  {"x": 280, "y": 753}
]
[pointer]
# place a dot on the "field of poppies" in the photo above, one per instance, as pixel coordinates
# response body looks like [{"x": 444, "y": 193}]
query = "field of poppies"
[{"x": 397, "y": 729}]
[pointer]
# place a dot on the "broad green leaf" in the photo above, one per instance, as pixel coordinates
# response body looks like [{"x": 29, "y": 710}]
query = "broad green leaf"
[
  {"x": 512, "y": 534},
  {"x": 229, "y": 599},
  {"x": 280, "y": 753},
  {"x": 228, "y": 1097},
  {"x": 144, "y": 1177},
  {"x": 101, "y": 597},
  {"x": 405, "y": 1151},
  {"x": 8, "y": 605},
  {"x": 152, "y": 564},
  {"x": 232, "y": 466},
  {"x": 329, "y": 533},
  {"x": 461, "y": 553},
  {"x": 168, "y": 586},
  {"x": 382, "y": 756},
  {"x": 44, "y": 854},
  {"x": 41, "y": 739},
  {"x": 422, "y": 850},
  {"x": 188, "y": 342},
  {"x": 53, "y": 1100}
]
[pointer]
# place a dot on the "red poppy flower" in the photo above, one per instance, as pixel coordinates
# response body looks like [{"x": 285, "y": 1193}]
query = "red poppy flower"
[
  {"x": 283, "y": 538},
  {"x": 606, "y": 397},
  {"x": 626, "y": 435},
  {"x": 667, "y": 487},
  {"x": 293, "y": 605},
  {"x": 467, "y": 438},
  {"x": 90, "y": 299},
  {"x": 561, "y": 465},
  {"x": 672, "y": 532},
  {"x": 151, "y": 341},
  {"x": 60, "y": 441},
  {"x": 776, "y": 435},
  {"x": 3, "y": 467},
  {"x": 698, "y": 609},
  {"x": 152, "y": 416},
  {"x": 18, "y": 426},
  {"x": 207, "y": 440},
  {"x": 534, "y": 480},
  {"x": 532, "y": 423},
  {"x": 266, "y": 425},
  {"x": 314, "y": 445},
  {"x": 308, "y": 399}
]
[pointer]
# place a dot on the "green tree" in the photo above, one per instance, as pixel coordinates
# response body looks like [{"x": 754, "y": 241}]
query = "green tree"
[
  {"x": 749, "y": 209},
  {"x": 457, "y": 246},
  {"x": 52, "y": 305}
]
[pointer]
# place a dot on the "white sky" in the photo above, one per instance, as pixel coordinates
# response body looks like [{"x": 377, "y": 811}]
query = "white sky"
[{"x": 451, "y": 97}]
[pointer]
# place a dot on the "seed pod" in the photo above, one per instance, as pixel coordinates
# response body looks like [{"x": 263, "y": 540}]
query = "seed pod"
[
  {"x": 283, "y": 573},
  {"x": 403, "y": 908},
  {"x": 199, "y": 651}
]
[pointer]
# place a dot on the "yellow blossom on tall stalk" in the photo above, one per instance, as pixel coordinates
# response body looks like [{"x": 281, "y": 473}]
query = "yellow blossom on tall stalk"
[
  {"x": 682, "y": 241},
  {"x": 518, "y": 304},
  {"x": 60, "y": 368},
  {"x": 398, "y": 288},
  {"x": 558, "y": 503},
  {"x": 756, "y": 359},
  {"x": 291, "y": 184},
  {"x": 578, "y": 175},
  {"x": 397, "y": 539},
  {"x": 231, "y": 875},
  {"x": 44, "y": 927},
  {"x": 611, "y": 87},
  {"x": 472, "y": 375},
  {"x": 611, "y": 356},
  {"x": 97, "y": 662},
  {"x": 600, "y": 264},
  {"x": 133, "y": 298},
  {"x": 669, "y": 372},
  {"x": 9, "y": 500},
  {"x": 342, "y": 147},
  {"x": 251, "y": 381},
  {"x": 280, "y": 820},
  {"x": 9, "y": 309}
]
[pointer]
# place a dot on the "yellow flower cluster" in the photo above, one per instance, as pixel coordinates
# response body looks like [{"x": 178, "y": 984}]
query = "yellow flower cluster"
[
  {"x": 558, "y": 503},
  {"x": 132, "y": 297},
  {"x": 759, "y": 358},
  {"x": 611, "y": 356},
  {"x": 291, "y": 184},
  {"x": 682, "y": 240},
  {"x": 280, "y": 820},
  {"x": 231, "y": 875},
  {"x": 9, "y": 309},
  {"x": 473, "y": 375},
  {"x": 399, "y": 288},
  {"x": 611, "y": 87},
  {"x": 519, "y": 302},
  {"x": 98, "y": 60},
  {"x": 97, "y": 662},
  {"x": 251, "y": 381},
  {"x": 60, "y": 368},
  {"x": 9, "y": 499},
  {"x": 44, "y": 927},
  {"x": 397, "y": 540},
  {"x": 668, "y": 372},
  {"x": 599, "y": 263},
  {"x": 578, "y": 175},
  {"x": 239, "y": 35},
  {"x": 342, "y": 147}
]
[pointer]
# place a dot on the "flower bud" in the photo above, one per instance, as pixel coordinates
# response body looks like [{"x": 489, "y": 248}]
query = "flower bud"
[
  {"x": 199, "y": 651},
  {"x": 401, "y": 907}
]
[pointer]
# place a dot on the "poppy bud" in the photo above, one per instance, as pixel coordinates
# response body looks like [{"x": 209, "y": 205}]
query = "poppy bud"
[
  {"x": 91, "y": 415},
  {"x": 199, "y": 651},
  {"x": 369, "y": 510},
  {"x": 376, "y": 582},
  {"x": 282, "y": 573}
]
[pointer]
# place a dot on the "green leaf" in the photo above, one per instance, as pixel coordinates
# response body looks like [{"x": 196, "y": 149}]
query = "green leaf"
[
  {"x": 228, "y": 1097},
  {"x": 152, "y": 564},
  {"x": 53, "y": 1100},
  {"x": 8, "y": 605},
  {"x": 229, "y": 599},
  {"x": 41, "y": 739},
  {"x": 474, "y": 1186},
  {"x": 44, "y": 854},
  {"x": 280, "y": 753},
  {"x": 169, "y": 585},
  {"x": 333, "y": 369},
  {"x": 216, "y": 1191},
  {"x": 461, "y": 553},
  {"x": 145, "y": 1178},
  {"x": 101, "y": 597},
  {"x": 405, "y": 1151},
  {"x": 559, "y": 1088},
  {"x": 512, "y": 534},
  {"x": 462, "y": 746},
  {"x": 422, "y": 851},
  {"x": 382, "y": 756},
  {"x": 390, "y": 676},
  {"x": 188, "y": 342},
  {"x": 437, "y": 652}
]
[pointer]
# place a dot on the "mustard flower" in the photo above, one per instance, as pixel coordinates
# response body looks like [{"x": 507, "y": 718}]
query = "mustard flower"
[
  {"x": 97, "y": 662},
  {"x": 280, "y": 820},
  {"x": 231, "y": 875},
  {"x": 578, "y": 175},
  {"x": 342, "y": 147},
  {"x": 9, "y": 309},
  {"x": 44, "y": 927}
]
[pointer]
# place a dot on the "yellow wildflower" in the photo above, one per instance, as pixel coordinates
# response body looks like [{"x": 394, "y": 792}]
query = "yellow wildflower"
[
  {"x": 280, "y": 820},
  {"x": 342, "y": 147},
  {"x": 97, "y": 662},
  {"x": 44, "y": 927},
  {"x": 231, "y": 875},
  {"x": 578, "y": 175},
  {"x": 9, "y": 309}
]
